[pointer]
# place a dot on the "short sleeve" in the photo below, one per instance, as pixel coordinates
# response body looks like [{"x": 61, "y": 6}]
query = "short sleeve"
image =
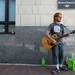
[
  {"x": 49, "y": 27},
  {"x": 62, "y": 27}
]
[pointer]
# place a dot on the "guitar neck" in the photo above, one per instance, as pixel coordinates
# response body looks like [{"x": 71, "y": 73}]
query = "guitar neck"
[{"x": 65, "y": 35}]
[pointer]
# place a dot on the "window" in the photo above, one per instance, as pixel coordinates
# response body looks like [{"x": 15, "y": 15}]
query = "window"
[{"x": 7, "y": 16}]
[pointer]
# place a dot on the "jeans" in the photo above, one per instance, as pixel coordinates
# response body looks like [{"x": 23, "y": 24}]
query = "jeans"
[{"x": 57, "y": 54}]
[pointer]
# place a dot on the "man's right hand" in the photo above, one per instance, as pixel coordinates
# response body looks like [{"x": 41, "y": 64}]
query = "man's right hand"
[
  {"x": 48, "y": 34},
  {"x": 54, "y": 41}
]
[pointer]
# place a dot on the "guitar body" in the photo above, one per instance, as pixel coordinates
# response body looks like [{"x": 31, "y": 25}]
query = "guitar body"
[{"x": 47, "y": 43}]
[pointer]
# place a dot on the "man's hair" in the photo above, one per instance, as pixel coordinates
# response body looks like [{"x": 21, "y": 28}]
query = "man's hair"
[{"x": 56, "y": 15}]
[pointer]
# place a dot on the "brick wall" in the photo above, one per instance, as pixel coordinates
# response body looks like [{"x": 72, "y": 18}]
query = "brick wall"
[
  {"x": 25, "y": 46},
  {"x": 39, "y": 13}
]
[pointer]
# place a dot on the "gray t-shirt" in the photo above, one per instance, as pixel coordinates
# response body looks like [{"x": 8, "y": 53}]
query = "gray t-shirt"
[{"x": 56, "y": 29}]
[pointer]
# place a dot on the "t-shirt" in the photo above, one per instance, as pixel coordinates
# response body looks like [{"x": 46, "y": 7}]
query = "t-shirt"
[{"x": 56, "y": 29}]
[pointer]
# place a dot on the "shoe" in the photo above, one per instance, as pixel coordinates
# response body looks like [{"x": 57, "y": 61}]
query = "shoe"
[
  {"x": 64, "y": 68},
  {"x": 55, "y": 71}
]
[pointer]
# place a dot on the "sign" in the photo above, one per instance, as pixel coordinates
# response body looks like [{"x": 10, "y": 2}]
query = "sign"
[{"x": 66, "y": 4}]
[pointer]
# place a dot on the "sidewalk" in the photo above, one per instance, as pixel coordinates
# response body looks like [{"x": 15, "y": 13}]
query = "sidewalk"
[{"x": 12, "y": 69}]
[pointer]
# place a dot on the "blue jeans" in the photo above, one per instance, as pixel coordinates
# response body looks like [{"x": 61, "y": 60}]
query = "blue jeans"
[{"x": 57, "y": 54}]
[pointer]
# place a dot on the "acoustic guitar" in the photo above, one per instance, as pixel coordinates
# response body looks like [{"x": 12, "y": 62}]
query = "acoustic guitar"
[{"x": 47, "y": 43}]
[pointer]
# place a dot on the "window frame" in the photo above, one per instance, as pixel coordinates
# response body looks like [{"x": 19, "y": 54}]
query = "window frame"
[{"x": 6, "y": 23}]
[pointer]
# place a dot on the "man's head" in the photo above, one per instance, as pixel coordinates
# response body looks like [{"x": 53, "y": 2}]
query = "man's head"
[{"x": 57, "y": 17}]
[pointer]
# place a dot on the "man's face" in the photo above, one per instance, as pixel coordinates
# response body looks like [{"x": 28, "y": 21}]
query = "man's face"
[{"x": 58, "y": 18}]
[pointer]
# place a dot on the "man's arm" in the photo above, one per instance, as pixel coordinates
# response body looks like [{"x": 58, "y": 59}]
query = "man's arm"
[
  {"x": 66, "y": 30},
  {"x": 48, "y": 34}
]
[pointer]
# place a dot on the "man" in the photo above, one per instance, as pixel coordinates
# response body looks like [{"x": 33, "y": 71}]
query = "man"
[{"x": 57, "y": 51}]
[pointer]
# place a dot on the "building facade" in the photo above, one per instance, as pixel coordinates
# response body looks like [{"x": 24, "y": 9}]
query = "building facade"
[{"x": 29, "y": 19}]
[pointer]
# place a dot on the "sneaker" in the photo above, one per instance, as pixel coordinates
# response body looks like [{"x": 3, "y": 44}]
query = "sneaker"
[
  {"x": 64, "y": 68},
  {"x": 57, "y": 70},
  {"x": 54, "y": 72}
]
